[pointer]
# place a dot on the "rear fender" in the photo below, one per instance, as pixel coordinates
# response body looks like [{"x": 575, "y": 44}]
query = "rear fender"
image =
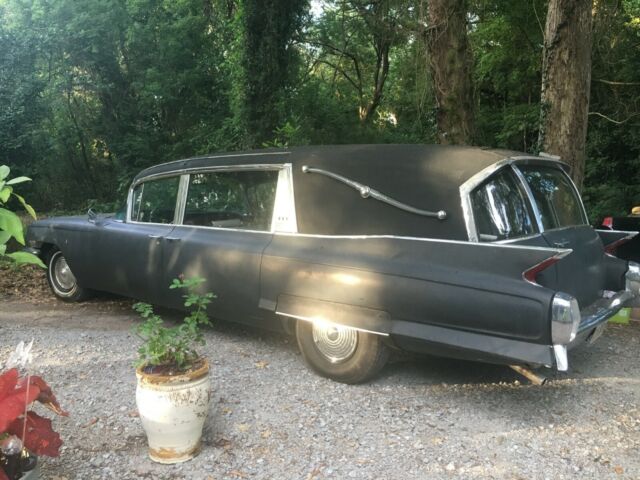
[
  {"x": 611, "y": 239},
  {"x": 367, "y": 282}
]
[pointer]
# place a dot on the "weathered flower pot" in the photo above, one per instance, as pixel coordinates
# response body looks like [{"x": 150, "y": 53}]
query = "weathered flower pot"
[{"x": 173, "y": 409}]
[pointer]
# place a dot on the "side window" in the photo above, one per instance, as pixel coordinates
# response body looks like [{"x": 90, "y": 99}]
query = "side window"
[
  {"x": 500, "y": 209},
  {"x": 557, "y": 201},
  {"x": 239, "y": 199},
  {"x": 154, "y": 201}
]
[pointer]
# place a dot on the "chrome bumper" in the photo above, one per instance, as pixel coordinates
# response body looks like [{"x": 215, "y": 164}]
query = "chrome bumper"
[{"x": 593, "y": 316}]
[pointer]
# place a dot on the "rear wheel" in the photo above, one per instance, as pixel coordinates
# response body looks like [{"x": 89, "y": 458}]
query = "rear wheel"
[
  {"x": 61, "y": 279},
  {"x": 341, "y": 353}
]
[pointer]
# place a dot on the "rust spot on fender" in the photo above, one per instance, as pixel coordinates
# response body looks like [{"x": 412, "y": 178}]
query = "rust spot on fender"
[{"x": 200, "y": 370}]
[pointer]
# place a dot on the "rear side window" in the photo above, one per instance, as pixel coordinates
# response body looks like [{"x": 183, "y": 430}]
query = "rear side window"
[
  {"x": 242, "y": 199},
  {"x": 500, "y": 209},
  {"x": 555, "y": 197},
  {"x": 154, "y": 201}
]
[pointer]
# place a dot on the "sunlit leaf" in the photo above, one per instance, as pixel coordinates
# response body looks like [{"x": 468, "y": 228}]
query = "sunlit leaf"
[
  {"x": 4, "y": 172},
  {"x": 5, "y": 193},
  {"x": 26, "y": 206},
  {"x": 9, "y": 222},
  {"x": 17, "y": 180},
  {"x": 26, "y": 258}
]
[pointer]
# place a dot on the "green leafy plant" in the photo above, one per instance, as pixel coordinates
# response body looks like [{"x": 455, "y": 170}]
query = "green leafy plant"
[
  {"x": 173, "y": 348},
  {"x": 10, "y": 223}
]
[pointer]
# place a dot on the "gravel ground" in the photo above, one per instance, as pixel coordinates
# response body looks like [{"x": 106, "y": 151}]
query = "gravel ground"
[{"x": 270, "y": 417}]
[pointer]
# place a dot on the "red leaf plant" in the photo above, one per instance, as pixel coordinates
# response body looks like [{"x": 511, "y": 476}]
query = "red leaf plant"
[{"x": 16, "y": 395}]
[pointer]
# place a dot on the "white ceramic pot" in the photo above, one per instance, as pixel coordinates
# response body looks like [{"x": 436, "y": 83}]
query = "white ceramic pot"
[{"x": 173, "y": 409}]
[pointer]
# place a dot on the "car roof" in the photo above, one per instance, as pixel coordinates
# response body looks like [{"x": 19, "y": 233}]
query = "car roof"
[
  {"x": 459, "y": 162},
  {"x": 426, "y": 177}
]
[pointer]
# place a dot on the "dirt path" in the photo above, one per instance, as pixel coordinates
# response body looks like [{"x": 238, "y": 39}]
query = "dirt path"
[{"x": 272, "y": 418}]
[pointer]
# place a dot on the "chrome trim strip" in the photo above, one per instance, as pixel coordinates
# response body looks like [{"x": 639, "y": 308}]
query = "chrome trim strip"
[
  {"x": 562, "y": 360},
  {"x": 183, "y": 189},
  {"x": 559, "y": 256},
  {"x": 309, "y": 319},
  {"x": 601, "y": 310},
  {"x": 630, "y": 233},
  {"x": 366, "y": 192},
  {"x": 214, "y": 168},
  {"x": 213, "y": 157},
  {"x": 529, "y": 193},
  {"x": 550, "y": 250}
]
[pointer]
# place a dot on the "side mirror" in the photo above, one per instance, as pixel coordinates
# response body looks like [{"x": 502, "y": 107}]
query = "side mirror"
[{"x": 92, "y": 215}]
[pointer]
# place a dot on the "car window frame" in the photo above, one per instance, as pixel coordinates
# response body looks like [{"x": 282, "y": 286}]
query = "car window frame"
[
  {"x": 284, "y": 219},
  {"x": 469, "y": 186},
  {"x": 129, "y": 210}
]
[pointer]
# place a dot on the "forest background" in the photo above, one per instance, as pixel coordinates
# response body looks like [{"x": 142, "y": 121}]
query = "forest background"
[{"x": 92, "y": 91}]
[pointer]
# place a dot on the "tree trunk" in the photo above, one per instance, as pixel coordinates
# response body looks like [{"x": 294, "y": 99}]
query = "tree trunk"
[
  {"x": 566, "y": 81},
  {"x": 450, "y": 61}
]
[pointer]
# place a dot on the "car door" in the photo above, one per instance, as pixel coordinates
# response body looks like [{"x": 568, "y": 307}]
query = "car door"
[
  {"x": 227, "y": 224},
  {"x": 129, "y": 255}
]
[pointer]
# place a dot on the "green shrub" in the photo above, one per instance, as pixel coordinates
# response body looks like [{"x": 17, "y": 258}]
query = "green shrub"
[{"x": 10, "y": 223}]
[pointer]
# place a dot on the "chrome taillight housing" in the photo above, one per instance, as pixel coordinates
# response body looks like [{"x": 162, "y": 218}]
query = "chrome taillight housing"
[
  {"x": 632, "y": 278},
  {"x": 565, "y": 318}
]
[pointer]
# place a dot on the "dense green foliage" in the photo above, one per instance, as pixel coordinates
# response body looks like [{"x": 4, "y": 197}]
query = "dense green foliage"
[
  {"x": 10, "y": 224},
  {"x": 91, "y": 91},
  {"x": 173, "y": 348}
]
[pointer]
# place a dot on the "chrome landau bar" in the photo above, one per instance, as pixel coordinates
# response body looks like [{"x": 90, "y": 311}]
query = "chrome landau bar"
[{"x": 366, "y": 192}]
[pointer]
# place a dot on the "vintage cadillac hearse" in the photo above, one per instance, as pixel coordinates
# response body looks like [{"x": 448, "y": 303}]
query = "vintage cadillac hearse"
[{"x": 458, "y": 251}]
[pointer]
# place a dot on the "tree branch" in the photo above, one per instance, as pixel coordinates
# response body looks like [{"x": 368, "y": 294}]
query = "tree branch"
[
  {"x": 617, "y": 122},
  {"x": 611, "y": 82}
]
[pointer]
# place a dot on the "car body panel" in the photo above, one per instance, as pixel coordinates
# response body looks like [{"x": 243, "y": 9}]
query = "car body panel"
[{"x": 354, "y": 241}]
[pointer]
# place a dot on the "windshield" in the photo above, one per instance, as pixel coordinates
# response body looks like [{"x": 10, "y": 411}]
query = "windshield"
[{"x": 555, "y": 197}]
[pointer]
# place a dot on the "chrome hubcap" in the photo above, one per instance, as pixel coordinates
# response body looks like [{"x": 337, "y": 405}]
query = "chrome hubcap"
[
  {"x": 64, "y": 278},
  {"x": 336, "y": 343}
]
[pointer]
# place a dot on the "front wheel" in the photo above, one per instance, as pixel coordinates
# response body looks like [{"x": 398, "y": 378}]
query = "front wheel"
[
  {"x": 61, "y": 279},
  {"x": 341, "y": 353}
]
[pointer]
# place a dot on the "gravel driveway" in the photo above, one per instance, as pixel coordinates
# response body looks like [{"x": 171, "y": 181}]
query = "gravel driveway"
[{"x": 270, "y": 417}]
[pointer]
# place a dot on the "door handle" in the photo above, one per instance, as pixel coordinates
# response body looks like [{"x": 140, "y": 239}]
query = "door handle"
[
  {"x": 151, "y": 235},
  {"x": 173, "y": 239}
]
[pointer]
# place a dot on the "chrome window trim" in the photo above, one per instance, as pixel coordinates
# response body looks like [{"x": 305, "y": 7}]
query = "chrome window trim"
[
  {"x": 152, "y": 178},
  {"x": 529, "y": 194},
  {"x": 183, "y": 190},
  {"x": 213, "y": 157},
  {"x": 474, "y": 181}
]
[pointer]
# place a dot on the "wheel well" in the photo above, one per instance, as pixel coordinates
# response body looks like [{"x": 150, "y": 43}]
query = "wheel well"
[{"x": 45, "y": 250}]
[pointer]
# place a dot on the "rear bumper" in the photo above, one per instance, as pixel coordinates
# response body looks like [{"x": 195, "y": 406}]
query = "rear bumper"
[
  {"x": 593, "y": 316},
  {"x": 448, "y": 342}
]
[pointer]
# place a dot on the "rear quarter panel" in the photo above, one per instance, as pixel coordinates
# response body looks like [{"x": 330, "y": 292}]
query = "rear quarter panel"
[{"x": 458, "y": 285}]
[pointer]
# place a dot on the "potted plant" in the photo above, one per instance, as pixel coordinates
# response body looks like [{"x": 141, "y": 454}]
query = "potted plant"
[
  {"x": 23, "y": 433},
  {"x": 173, "y": 379}
]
